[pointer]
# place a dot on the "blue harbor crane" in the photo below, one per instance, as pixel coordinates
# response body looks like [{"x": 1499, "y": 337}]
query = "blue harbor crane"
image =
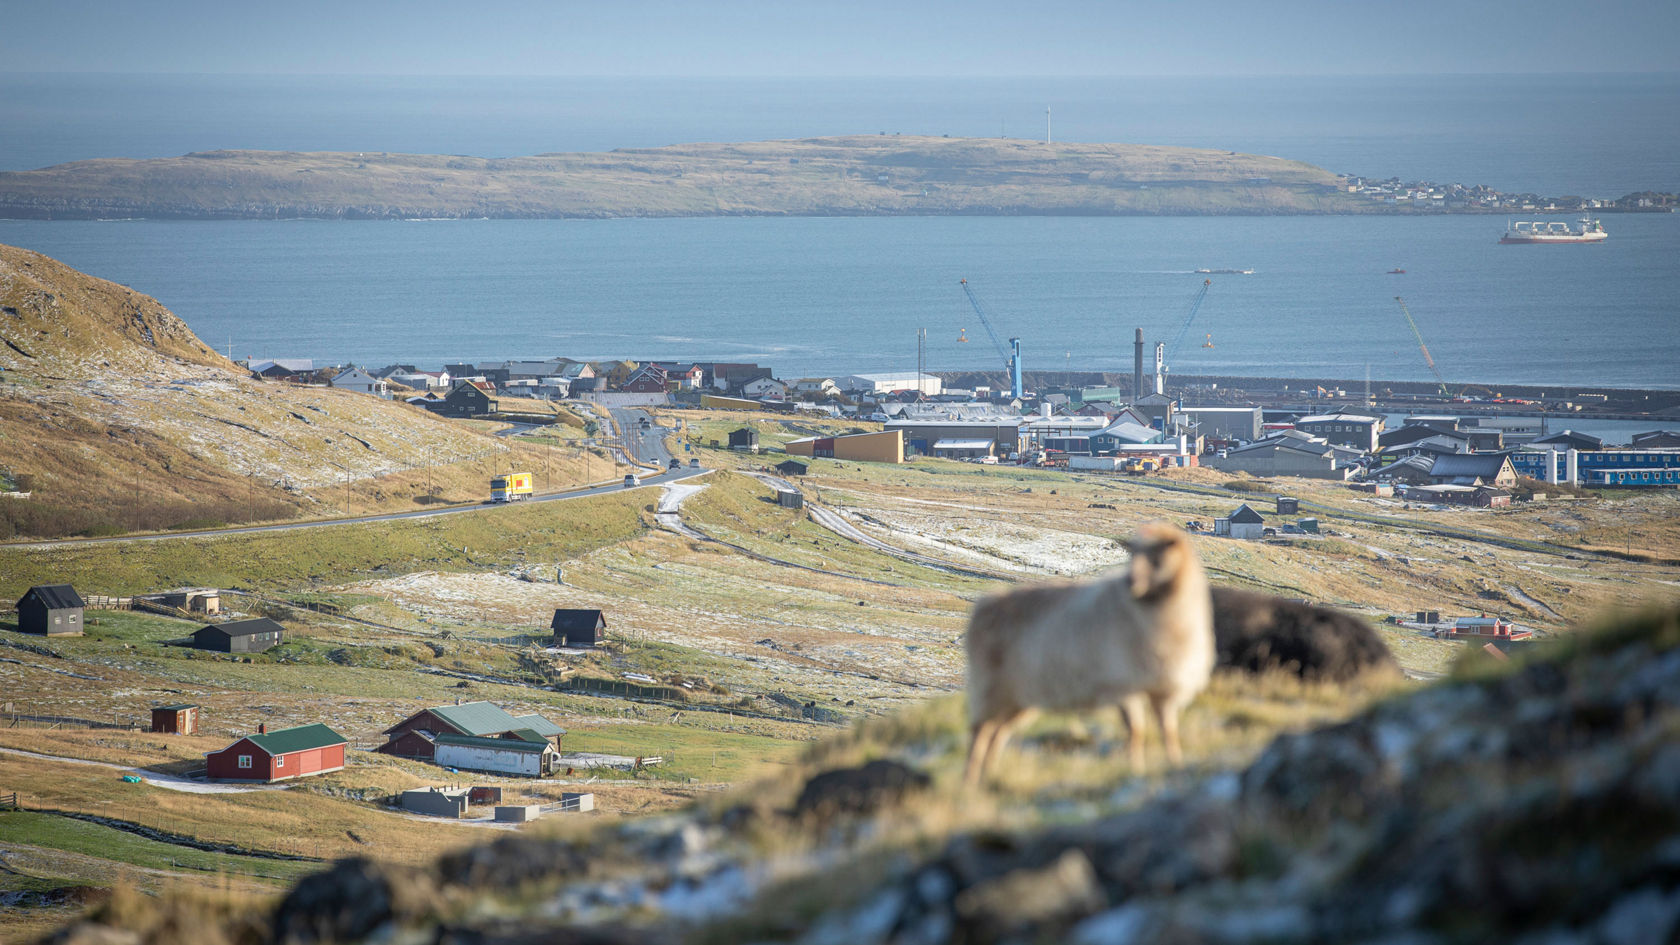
[
  {"x": 1195, "y": 304},
  {"x": 1011, "y": 355}
]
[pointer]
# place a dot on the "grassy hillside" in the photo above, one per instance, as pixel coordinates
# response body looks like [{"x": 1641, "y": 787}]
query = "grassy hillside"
[
  {"x": 857, "y": 175},
  {"x": 116, "y": 417}
]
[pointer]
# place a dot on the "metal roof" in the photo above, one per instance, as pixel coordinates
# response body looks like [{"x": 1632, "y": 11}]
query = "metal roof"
[
  {"x": 301, "y": 738},
  {"x": 1485, "y": 465},
  {"x": 535, "y": 744},
  {"x": 56, "y": 596},
  {"x": 245, "y": 628},
  {"x": 477, "y": 718},
  {"x": 1245, "y": 515},
  {"x": 1130, "y": 432},
  {"x": 577, "y": 619},
  {"x": 540, "y": 725},
  {"x": 1338, "y": 418},
  {"x": 178, "y": 707}
]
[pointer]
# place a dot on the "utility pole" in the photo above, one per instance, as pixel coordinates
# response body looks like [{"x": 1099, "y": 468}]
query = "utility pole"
[{"x": 1046, "y": 125}]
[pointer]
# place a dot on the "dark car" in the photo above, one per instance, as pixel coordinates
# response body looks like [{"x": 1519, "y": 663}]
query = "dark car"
[{"x": 675, "y": 463}]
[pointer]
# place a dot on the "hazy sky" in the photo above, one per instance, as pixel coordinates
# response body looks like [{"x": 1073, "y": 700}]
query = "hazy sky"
[{"x": 838, "y": 38}]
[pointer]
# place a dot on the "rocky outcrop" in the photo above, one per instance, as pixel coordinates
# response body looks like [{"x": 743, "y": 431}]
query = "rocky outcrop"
[{"x": 1541, "y": 805}]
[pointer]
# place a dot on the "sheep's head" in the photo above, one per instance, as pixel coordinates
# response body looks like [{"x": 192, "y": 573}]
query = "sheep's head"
[{"x": 1160, "y": 553}]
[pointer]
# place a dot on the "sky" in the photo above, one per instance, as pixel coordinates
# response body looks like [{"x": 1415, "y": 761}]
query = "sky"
[{"x": 751, "y": 38}]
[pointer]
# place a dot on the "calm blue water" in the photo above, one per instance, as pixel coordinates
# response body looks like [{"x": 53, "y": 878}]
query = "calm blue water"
[{"x": 846, "y": 295}]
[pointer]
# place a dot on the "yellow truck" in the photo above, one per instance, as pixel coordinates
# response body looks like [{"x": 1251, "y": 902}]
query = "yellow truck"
[{"x": 511, "y": 487}]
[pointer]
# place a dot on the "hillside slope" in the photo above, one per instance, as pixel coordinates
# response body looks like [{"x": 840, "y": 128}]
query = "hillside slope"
[
  {"x": 1532, "y": 801},
  {"x": 856, "y": 175},
  {"x": 117, "y": 417}
]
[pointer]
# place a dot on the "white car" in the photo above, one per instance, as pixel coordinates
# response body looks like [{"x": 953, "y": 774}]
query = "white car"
[{"x": 631, "y": 480}]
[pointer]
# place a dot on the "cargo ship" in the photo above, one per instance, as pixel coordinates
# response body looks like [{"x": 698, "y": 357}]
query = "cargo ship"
[{"x": 1590, "y": 231}]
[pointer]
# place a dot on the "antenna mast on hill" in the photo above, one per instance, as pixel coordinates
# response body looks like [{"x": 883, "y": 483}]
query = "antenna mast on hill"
[{"x": 1046, "y": 125}]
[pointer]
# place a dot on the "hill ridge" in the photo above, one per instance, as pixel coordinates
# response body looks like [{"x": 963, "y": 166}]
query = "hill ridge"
[{"x": 856, "y": 175}]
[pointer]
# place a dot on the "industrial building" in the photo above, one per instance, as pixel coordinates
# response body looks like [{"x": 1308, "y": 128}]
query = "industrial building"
[
  {"x": 920, "y": 435},
  {"x": 886, "y": 446},
  {"x": 1345, "y": 429},
  {"x": 1284, "y": 455},
  {"x": 928, "y": 384},
  {"x": 1224, "y": 423},
  {"x": 1629, "y": 467}
]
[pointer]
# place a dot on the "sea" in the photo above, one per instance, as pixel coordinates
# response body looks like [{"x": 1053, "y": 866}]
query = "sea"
[{"x": 850, "y": 295}]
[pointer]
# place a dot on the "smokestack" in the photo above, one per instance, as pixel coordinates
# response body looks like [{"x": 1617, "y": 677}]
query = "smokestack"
[
  {"x": 1137, "y": 368},
  {"x": 262, "y": 728}
]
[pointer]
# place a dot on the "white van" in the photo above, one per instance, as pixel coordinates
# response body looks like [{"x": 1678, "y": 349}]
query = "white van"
[{"x": 631, "y": 480}]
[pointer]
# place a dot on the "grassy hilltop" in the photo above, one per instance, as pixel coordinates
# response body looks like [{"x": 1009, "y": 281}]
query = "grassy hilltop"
[
  {"x": 858, "y": 175},
  {"x": 116, "y": 417}
]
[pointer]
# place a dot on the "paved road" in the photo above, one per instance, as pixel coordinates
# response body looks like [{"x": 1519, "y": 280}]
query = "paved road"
[
  {"x": 651, "y": 480},
  {"x": 643, "y": 444}
]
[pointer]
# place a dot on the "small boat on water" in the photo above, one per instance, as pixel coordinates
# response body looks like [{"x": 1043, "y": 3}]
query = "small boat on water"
[
  {"x": 1397, "y": 272},
  {"x": 1225, "y": 272},
  {"x": 1554, "y": 231}
]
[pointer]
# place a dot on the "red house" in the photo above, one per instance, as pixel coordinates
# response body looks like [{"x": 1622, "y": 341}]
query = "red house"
[{"x": 277, "y": 756}]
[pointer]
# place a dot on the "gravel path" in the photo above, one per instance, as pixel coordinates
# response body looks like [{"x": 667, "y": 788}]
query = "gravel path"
[{"x": 170, "y": 781}]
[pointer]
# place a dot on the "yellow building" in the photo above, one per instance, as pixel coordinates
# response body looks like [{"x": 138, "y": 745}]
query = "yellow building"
[{"x": 884, "y": 447}]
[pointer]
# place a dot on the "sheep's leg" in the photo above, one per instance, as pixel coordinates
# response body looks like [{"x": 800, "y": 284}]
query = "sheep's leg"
[
  {"x": 1137, "y": 723},
  {"x": 1166, "y": 713},
  {"x": 1000, "y": 737},
  {"x": 981, "y": 737}
]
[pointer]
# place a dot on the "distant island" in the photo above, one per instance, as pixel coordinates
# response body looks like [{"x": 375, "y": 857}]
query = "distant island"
[{"x": 863, "y": 175}]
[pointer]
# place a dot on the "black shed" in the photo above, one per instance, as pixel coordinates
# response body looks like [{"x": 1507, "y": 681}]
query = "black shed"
[
  {"x": 54, "y": 610},
  {"x": 745, "y": 438},
  {"x": 792, "y": 467},
  {"x": 241, "y": 636},
  {"x": 578, "y": 627}
]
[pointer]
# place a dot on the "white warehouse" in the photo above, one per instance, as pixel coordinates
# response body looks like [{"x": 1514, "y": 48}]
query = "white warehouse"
[{"x": 523, "y": 752}]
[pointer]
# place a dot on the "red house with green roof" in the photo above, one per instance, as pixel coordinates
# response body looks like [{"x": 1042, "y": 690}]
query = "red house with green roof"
[{"x": 278, "y": 756}]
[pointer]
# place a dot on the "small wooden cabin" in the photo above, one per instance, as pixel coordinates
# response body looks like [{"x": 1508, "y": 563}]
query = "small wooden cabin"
[
  {"x": 181, "y": 719},
  {"x": 240, "y": 636},
  {"x": 578, "y": 627},
  {"x": 53, "y": 610}
]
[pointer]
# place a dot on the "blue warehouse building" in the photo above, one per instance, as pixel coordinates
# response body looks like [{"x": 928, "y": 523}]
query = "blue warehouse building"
[{"x": 1633, "y": 468}]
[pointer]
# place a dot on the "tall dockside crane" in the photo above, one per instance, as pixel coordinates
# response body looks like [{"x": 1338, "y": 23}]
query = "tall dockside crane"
[
  {"x": 1195, "y": 305},
  {"x": 1427, "y": 359},
  {"x": 1011, "y": 355}
]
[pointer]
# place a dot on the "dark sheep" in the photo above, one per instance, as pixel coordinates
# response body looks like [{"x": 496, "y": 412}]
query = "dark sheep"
[{"x": 1259, "y": 632}]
